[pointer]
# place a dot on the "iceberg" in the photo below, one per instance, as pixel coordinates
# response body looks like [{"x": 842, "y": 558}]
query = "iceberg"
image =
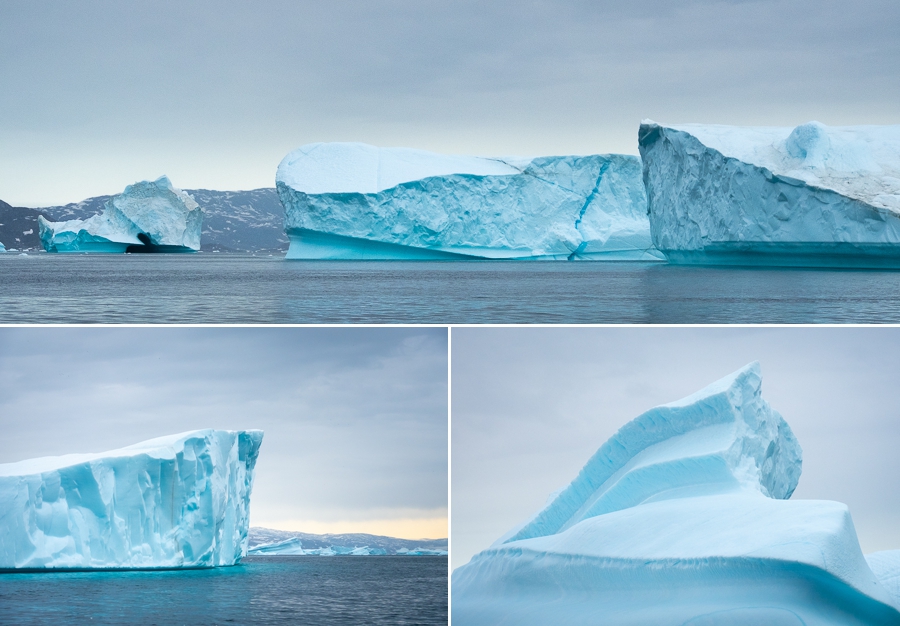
[
  {"x": 355, "y": 201},
  {"x": 813, "y": 195},
  {"x": 683, "y": 517},
  {"x": 147, "y": 217},
  {"x": 423, "y": 552},
  {"x": 294, "y": 547},
  {"x": 2, "y": 247},
  {"x": 289, "y": 547},
  {"x": 181, "y": 501}
]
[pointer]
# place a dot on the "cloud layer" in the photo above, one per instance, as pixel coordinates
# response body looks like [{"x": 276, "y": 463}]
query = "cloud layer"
[
  {"x": 99, "y": 94},
  {"x": 355, "y": 418}
]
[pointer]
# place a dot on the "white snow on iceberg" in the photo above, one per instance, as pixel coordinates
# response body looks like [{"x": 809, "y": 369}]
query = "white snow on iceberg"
[
  {"x": 171, "y": 502},
  {"x": 682, "y": 518},
  {"x": 355, "y": 201},
  {"x": 813, "y": 195},
  {"x": 147, "y": 217}
]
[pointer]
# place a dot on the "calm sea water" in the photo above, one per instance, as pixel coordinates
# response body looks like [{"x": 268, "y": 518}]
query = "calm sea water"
[
  {"x": 232, "y": 288},
  {"x": 262, "y": 590}
]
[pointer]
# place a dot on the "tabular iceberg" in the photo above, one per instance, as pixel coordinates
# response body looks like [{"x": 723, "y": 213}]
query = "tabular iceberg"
[
  {"x": 682, "y": 517},
  {"x": 172, "y": 502},
  {"x": 355, "y": 201},
  {"x": 147, "y": 217},
  {"x": 807, "y": 196}
]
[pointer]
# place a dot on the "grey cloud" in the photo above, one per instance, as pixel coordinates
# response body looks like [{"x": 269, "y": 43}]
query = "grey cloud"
[
  {"x": 355, "y": 419},
  {"x": 237, "y": 85}
]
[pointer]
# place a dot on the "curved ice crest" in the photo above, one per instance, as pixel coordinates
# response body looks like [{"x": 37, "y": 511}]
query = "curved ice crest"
[{"x": 723, "y": 438}]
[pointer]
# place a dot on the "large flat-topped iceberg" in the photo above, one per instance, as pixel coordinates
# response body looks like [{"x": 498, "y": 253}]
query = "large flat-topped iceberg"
[
  {"x": 812, "y": 195},
  {"x": 682, "y": 517},
  {"x": 146, "y": 217},
  {"x": 172, "y": 502},
  {"x": 355, "y": 201}
]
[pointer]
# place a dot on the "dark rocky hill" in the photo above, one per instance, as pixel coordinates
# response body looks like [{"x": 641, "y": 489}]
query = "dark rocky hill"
[{"x": 19, "y": 227}]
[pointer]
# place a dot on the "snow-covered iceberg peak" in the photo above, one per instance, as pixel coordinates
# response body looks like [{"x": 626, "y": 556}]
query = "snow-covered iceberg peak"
[
  {"x": 176, "y": 501},
  {"x": 149, "y": 216},
  {"x": 355, "y": 201},
  {"x": 810, "y": 195},
  {"x": 723, "y": 438}
]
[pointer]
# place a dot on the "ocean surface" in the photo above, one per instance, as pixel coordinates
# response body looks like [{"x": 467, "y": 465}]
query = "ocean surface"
[
  {"x": 234, "y": 288},
  {"x": 262, "y": 590}
]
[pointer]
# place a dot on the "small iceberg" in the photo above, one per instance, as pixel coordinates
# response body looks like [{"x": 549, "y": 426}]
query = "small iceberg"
[
  {"x": 181, "y": 501},
  {"x": 355, "y": 201},
  {"x": 814, "y": 195},
  {"x": 683, "y": 517},
  {"x": 147, "y": 217}
]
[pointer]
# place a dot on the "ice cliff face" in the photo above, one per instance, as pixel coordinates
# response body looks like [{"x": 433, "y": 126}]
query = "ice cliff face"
[
  {"x": 682, "y": 517},
  {"x": 176, "y": 501},
  {"x": 147, "y": 217},
  {"x": 354, "y": 201},
  {"x": 812, "y": 195}
]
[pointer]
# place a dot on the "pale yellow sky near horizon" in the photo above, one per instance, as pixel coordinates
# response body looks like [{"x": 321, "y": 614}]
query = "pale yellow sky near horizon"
[{"x": 401, "y": 528}]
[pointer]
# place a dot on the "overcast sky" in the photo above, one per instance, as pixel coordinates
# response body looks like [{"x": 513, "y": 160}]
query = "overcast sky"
[
  {"x": 530, "y": 406},
  {"x": 101, "y": 93},
  {"x": 355, "y": 419}
]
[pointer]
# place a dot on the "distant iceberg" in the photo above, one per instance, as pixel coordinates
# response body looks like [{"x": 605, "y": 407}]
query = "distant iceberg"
[
  {"x": 147, "y": 217},
  {"x": 172, "y": 502},
  {"x": 813, "y": 195},
  {"x": 2, "y": 247},
  {"x": 355, "y": 201},
  {"x": 294, "y": 547},
  {"x": 682, "y": 517}
]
